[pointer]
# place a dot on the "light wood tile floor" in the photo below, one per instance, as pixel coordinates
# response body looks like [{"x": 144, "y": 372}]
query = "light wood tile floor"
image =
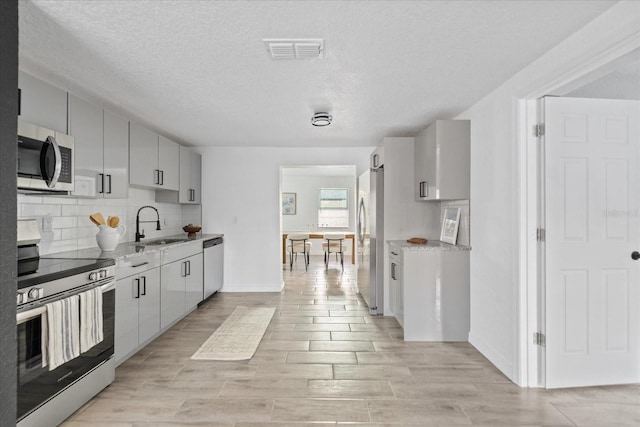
[{"x": 324, "y": 362}]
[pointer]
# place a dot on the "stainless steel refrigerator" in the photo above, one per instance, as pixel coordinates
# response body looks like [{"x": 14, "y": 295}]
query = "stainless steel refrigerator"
[{"x": 370, "y": 278}]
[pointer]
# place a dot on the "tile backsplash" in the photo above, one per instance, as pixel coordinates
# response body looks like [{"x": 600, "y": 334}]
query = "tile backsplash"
[{"x": 65, "y": 225}]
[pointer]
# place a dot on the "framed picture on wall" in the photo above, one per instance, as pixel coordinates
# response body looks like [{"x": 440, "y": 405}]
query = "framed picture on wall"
[
  {"x": 288, "y": 203},
  {"x": 450, "y": 220}
]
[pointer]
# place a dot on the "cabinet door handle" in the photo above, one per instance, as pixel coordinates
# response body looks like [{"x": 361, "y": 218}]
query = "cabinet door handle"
[
  {"x": 137, "y": 295},
  {"x": 393, "y": 271},
  {"x": 109, "y": 179},
  {"x": 183, "y": 273},
  {"x": 144, "y": 285},
  {"x": 156, "y": 176},
  {"x": 161, "y": 177},
  {"x": 189, "y": 266},
  {"x": 423, "y": 189},
  {"x": 101, "y": 180},
  {"x": 375, "y": 160}
]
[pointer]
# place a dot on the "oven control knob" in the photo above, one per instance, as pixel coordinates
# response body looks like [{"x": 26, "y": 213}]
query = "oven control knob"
[
  {"x": 104, "y": 274},
  {"x": 34, "y": 293},
  {"x": 21, "y": 297},
  {"x": 93, "y": 275}
]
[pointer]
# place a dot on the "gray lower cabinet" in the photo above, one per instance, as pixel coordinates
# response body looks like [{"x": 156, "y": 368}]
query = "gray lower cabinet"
[
  {"x": 396, "y": 299},
  {"x": 100, "y": 151},
  {"x": 41, "y": 103},
  {"x": 194, "y": 282},
  {"x": 429, "y": 292},
  {"x": 181, "y": 281},
  {"x": 137, "y": 318}
]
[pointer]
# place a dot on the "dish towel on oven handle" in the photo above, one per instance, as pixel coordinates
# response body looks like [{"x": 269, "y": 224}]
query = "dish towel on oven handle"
[
  {"x": 91, "y": 324},
  {"x": 60, "y": 332}
]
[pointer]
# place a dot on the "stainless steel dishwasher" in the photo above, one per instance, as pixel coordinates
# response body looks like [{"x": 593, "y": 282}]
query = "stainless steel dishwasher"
[{"x": 213, "y": 265}]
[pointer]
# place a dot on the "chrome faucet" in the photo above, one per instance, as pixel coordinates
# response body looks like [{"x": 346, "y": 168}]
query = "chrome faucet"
[{"x": 141, "y": 235}]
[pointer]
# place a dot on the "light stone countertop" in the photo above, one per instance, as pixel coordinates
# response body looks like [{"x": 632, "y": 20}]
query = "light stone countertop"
[
  {"x": 431, "y": 245},
  {"x": 131, "y": 249}
]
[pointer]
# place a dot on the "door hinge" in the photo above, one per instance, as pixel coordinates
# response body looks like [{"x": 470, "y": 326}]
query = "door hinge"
[
  {"x": 540, "y": 234},
  {"x": 538, "y": 338},
  {"x": 538, "y": 130}
]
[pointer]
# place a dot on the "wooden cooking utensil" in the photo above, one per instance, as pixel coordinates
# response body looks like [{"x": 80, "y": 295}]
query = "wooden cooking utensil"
[
  {"x": 114, "y": 221},
  {"x": 97, "y": 218}
]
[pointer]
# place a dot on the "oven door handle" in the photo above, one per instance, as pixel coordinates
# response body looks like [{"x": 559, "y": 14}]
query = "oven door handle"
[{"x": 32, "y": 314}]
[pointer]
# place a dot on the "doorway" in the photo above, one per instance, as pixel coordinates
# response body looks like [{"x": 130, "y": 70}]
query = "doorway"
[
  {"x": 317, "y": 200},
  {"x": 614, "y": 80}
]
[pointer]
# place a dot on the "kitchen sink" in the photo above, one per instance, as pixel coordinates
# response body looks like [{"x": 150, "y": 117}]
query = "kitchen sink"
[{"x": 158, "y": 242}]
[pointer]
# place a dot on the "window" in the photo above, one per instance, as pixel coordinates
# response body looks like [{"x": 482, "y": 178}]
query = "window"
[{"x": 333, "y": 208}]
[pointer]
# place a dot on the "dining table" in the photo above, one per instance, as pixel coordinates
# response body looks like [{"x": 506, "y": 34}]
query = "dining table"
[{"x": 316, "y": 235}]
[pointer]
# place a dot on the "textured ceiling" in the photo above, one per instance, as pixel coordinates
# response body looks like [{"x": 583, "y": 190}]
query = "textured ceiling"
[{"x": 199, "y": 72}]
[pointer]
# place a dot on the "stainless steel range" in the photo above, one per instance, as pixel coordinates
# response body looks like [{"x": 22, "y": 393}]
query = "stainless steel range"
[{"x": 48, "y": 396}]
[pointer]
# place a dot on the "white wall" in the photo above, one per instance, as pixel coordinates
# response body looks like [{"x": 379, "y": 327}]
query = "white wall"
[
  {"x": 495, "y": 197},
  {"x": 307, "y": 189},
  {"x": 240, "y": 198},
  {"x": 65, "y": 226}
]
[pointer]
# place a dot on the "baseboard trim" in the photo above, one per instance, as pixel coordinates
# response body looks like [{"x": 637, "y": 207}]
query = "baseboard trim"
[
  {"x": 498, "y": 360},
  {"x": 252, "y": 288}
]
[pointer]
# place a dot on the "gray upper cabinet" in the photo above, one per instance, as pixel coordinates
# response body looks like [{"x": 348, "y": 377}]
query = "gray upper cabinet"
[
  {"x": 168, "y": 164},
  {"x": 101, "y": 149},
  {"x": 143, "y": 156},
  {"x": 42, "y": 104},
  {"x": 442, "y": 161},
  {"x": 153, "y": 159},
  {"x": 190, "y": 180},
  {"x": 86, "y": 126},
  {"x": 377, "y": 158},
  {"x": 116, "y": 156},
  {"x": 190, "y": 176}
]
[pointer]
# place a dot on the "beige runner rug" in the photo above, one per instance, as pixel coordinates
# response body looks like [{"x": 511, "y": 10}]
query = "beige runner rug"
[{"x": 238, "y": 337}]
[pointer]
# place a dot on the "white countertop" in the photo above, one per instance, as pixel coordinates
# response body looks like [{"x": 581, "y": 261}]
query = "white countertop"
[
  {"x": 131, "y": 249},
  {"x": 431, "y": 245}
]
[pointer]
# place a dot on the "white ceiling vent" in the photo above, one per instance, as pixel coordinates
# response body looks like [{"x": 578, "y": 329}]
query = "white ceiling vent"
[{"x": 295, "y": 48}]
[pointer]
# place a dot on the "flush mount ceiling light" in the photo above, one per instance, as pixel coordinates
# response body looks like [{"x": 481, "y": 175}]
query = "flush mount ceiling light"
[{"x": 321, "y": 119}]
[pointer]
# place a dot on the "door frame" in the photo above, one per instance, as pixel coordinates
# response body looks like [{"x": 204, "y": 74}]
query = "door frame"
[{"x": 531, "y": 174}]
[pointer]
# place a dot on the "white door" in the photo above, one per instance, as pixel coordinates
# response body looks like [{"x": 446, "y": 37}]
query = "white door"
[{"x": 591, "y": 214}]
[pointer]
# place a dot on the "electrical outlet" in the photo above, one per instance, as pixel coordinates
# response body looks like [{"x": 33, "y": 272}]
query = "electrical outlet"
[
  {"x": 46, "y": 224},
  {"x": 165, "y": 222}
]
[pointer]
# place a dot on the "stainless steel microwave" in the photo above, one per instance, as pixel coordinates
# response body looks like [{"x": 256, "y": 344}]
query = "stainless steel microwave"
[{"x": 45, "y": 159}]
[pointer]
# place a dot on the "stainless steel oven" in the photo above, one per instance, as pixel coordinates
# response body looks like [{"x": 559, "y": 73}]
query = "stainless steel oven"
[
  {"x": 45, "y": 159},
  {"x": 47, "y": 397}
]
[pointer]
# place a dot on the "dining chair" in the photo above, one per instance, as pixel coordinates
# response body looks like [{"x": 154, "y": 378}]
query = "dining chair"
[
  {"x": 298, "y": 244},
  {"x": 333, "y": 243}
]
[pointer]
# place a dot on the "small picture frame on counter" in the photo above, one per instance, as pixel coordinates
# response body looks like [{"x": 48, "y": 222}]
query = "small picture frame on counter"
[{"x": 450, "y": 221}]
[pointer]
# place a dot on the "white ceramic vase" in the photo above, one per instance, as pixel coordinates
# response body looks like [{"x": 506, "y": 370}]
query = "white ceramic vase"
[{"x": 109, "y": 237}]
